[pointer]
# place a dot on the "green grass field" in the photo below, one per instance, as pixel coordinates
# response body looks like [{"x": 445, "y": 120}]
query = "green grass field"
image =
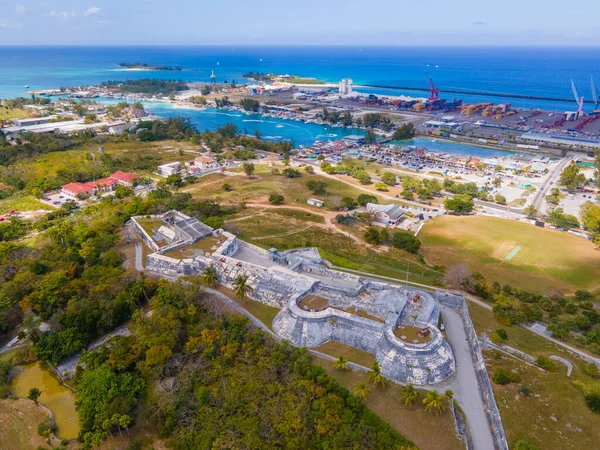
[
  {"x": 548, "y": 259},
  {"x": 22, "y": 204}
]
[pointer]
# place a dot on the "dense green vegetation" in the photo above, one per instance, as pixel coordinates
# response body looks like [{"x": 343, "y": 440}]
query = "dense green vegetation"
[
  {"x": 148, "y": 86},
  {"x": 145, "y": 66}
]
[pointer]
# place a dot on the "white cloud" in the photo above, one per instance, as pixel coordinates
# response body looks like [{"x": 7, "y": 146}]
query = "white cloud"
[
  {"x": 20, "y": 9},
  {"x": 61, "y": 15},
  {"x": 579, "y": 34},
  {"x": 91, "y": 11}
]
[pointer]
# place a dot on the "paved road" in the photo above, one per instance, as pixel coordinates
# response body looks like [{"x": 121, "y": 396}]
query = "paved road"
[
  {"x": 465, "y": 384},
  {"x": 139, "y": 260},
  {"x": 541, "y": 193}
]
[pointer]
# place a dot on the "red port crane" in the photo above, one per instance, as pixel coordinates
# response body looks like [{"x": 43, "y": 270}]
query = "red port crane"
[{"x": 435, "y": 92}]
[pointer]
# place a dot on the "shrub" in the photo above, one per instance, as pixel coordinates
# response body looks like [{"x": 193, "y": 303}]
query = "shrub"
[
  {"x": 546, "y": 363},
  {"x": 592, "y": 401},
  {"x": 226, "y": 187},
  {"x": 276, "y": 199},
  {"x": 291, "y": 173},
  {"x": 381, "y": 186},
  {"x": 372, "y": 236},
  {"x": 502, "y": 333},
  {"x": 405, "y": 240},
  {"x": 363, "y": 199},
  {"x": 525, "y": 391},
  {"x": 388, "y": 178},
  {"x": 591, "y": 370},
  {"x": 502, "y": 376},
  {"x": 349, "y": 203},
  {"x": 214, "y": 222},
  {"x": 524, "y": 445},
  {"x": 317, "y": 187}
]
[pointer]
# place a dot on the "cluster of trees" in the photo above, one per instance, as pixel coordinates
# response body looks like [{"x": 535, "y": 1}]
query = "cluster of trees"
[
  {"x": 459, "y": 204},
  {"x": 177, "y": 128},
  {"x": 425, "y": 188},
  {"x": 249, "y": 104},
  {"x": 404, "y": 240},
  {"x": 222, "y": 102},
  {"x": 562, "y": 220},
  {"x": 377, "y": 120},
  {"x": 258, "y": 76},
  {"x": 590, "y": 217},
  {"x": 197, "y": 100},
  {"x": 564, "y": 315},
  {"x": 76, "y": 273},
  {"x": 148, "y": 86},
  {"x": 571, "y": 177},
  {"x": 336, "y": 117},
  {"x": 404, "y": 132},
  {"x": 348, "y": 167}
]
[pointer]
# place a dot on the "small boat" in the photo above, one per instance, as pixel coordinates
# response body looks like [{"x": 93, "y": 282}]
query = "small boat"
[
  {"x": 278, "y": 126},
  {"x": 26, "y": 86}
]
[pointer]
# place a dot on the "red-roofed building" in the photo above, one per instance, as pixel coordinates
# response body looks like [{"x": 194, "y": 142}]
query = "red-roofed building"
[
  {"x": 103, "y": 184},
  {"x": 75, "y": 189},
  {"x": 124, "y": 178}
]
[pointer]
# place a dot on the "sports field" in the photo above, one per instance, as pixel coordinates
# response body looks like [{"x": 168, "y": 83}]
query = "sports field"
[{"x": 512, "y": 252}]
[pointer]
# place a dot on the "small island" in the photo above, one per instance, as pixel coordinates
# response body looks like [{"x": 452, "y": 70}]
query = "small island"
[
  {"x": 142, "y": 66},
  {"x": 270, "y": 77}
]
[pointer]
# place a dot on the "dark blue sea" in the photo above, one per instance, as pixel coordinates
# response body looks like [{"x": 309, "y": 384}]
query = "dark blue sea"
[{"x": 533, "y": 71}]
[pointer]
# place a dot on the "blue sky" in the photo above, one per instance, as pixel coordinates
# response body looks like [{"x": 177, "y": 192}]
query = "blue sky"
[{"x": 308, "y": 22}]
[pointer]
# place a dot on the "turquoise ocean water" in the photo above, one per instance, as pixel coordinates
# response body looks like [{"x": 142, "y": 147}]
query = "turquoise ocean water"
[{"x": 533, "y": 71}]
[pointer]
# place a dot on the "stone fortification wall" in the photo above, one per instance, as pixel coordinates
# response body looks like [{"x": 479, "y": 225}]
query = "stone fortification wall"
[
  {"x": 324, "y": 271},
  {"x": 145, "y": 236},
  {"x": 427, "y": 363},
  {"x": 458, "y": 302},
  {"x": 174, "y": 268}
]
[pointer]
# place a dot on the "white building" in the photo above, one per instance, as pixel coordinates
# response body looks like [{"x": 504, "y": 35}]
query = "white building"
[
  {"x": 345, "y": 86},
  {"x": 390, "y": 215},
  {"x": 169, "y": 169},
  {"x": 315, "y": 202},
  {"x": 201, "y": 164}
]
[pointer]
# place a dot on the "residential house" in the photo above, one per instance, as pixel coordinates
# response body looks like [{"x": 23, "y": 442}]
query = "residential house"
[
  {"x": 390, "y": 215},
  {"x": 315, "y": 202},
  {"x": 169, "y": 169},
  {"x": 203, "y": 163}
]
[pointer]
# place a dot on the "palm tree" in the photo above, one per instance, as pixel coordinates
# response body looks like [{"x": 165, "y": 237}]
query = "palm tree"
[
  {"x": 240, "y": 287},
  {"x": 341, "y": 363},
  {"x": 448, "y": 394},
  {"x": 434, "y": 402},
  {"x": 409, "y": 394},
  {"x": 209, "y": 276},
  {"x": 375, "y": 376},
  {"x": 362, "y": 390}
]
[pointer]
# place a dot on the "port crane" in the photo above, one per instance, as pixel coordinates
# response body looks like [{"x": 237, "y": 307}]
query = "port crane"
[
  {"x": 578, "y": 99},
  {"x": 595, "y": 97},
  {"x": 435, "y": 92}
]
